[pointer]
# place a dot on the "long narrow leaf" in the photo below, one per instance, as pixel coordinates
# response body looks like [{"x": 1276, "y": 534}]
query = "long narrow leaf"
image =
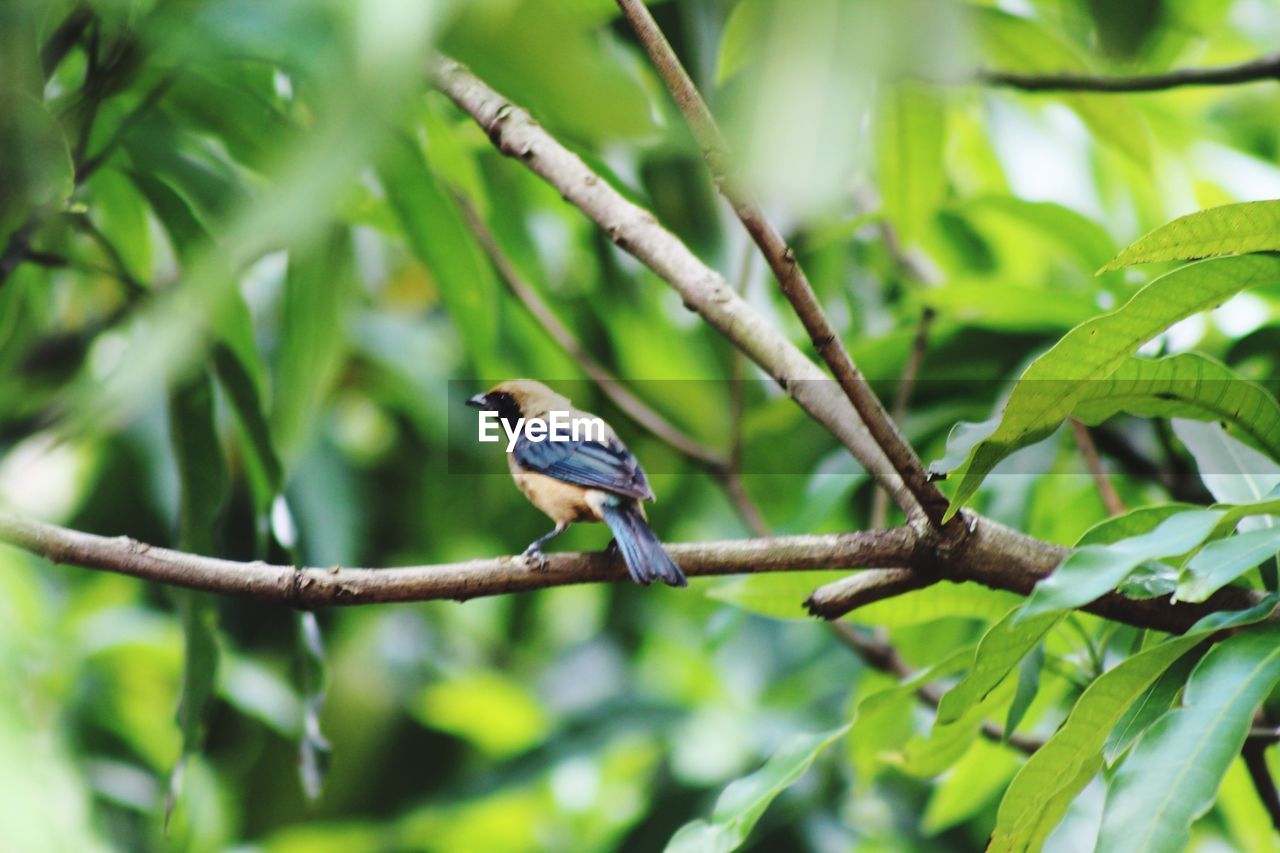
[{"x": 1172, "y": 775}]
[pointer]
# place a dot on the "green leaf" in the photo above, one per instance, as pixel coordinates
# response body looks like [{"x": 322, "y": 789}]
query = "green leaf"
[
  {"x": 1095, "y": 570},
  {"x": 1042, "y": 790},
  {"x": 1232, "y": 229},
  {"x": 745, "y": 26},
  {"x": 203, "y": 488},
  {"x": 1050, "y": 389},
  {"x": 1232, "y": 472},
  {"x": 744, "y": 801},
  {"x": 882, "y": 720},
  {"x": 1025, "y": 693},
  {"x": 1187, "y": 385},
  {"x": 266, "y": 473},
  {"x": 1014, "y": 43},
  {"x": 319, "y": 287},
  {"x": 1172, "y": 775},
  {"x": 435, "y": 232},
  {"x": 912, "y": 133},
  {"x": 1151, "y": 705},
  {"x": 1001, "y": 648},
  {"x": 36, "y": 170},
  {"x": 782, "y": 596},
  {"x": 1221, "y": 562},
  {"x": 1133, "y": 523},
  {"x": 314, "y": 747},
  {"x": 974, "y": 781}
]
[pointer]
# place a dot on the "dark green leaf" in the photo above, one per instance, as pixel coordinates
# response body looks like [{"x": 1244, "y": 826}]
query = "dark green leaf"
[
  {"x": 203, "y": 483},
  {"x": 1094, "y": 570},
  {"x": 1172, "y": 775},
  {"x": 1039, "y": 795},
  {"x": 1055, "y": 383}
]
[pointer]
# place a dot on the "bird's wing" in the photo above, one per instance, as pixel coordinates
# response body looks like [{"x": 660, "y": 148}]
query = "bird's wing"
[{"x": 607, "y": 465}]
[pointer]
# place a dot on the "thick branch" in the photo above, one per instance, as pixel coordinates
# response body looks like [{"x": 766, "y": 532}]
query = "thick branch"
[
  {"x": 786, "y": 268},
  {"x": 991, "y": 554},
  {"x": 1264, "y": 68},
  {"x": 636, "y": 231},
  {"x": 858, "y": 590},
  {"x": 322, "y": 587}
]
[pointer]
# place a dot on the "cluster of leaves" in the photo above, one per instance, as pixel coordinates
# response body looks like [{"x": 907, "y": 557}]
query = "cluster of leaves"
[{"x": 241, "y": 303}]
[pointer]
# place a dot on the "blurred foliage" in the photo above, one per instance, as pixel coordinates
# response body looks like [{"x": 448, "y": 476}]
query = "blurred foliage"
[{"x": 241, "y": 307}]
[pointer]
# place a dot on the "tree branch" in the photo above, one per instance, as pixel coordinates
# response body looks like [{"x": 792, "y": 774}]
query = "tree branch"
[
  {"x": 991, "y": 554},
  {"x": 635, "y": 230},
  {"x": 1255, "y": 760},
  {"x": 920, "y": 495},
  {"x": 1110, "y": 497},
  {"x": 635, "y": 408},
  {"x": 906, "y": 384},
  {"x": 323, "y": 587},
  {"x": 1264, "y": 68}
]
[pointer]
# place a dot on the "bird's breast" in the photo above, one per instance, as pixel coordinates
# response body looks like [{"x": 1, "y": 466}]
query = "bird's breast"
[{"x": 563, "y": 502}]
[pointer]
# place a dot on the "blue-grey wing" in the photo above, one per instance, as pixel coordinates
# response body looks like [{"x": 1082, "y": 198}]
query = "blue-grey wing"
[{"x": 607, "y": 465}]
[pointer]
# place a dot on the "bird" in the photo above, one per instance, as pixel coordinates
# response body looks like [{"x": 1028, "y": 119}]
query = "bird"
[{"x": 589, "y": 477}]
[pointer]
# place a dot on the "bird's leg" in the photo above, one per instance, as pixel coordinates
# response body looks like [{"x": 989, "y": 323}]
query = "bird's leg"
[{"x": 533, "y": 556}]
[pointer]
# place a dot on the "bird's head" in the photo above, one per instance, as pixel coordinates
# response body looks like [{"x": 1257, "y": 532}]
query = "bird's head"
[{"x": 520, "y": 398}]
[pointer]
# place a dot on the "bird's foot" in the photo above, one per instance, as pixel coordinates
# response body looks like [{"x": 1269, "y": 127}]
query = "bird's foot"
[
  {"x": 612, "y": 548},
  {"x": 534, "y": 559}
]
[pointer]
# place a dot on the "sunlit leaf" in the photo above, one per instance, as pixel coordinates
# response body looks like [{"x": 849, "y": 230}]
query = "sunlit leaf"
[
  {"x": 1004, "y": 645},
  {"x": 1232, "y": 229},
  {"x": 909, "y": 146},
  {"x": 1187, "y": 385},
  {"x": 1056, "y": 382}
]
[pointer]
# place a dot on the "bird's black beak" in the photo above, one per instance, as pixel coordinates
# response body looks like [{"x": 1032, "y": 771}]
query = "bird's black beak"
[{"x": 479, "y": 401}]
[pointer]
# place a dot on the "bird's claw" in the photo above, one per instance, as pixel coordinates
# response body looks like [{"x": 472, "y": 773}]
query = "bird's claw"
[
  {"x": 612, "y": 548},
  {"x": 534, "y": 559}
]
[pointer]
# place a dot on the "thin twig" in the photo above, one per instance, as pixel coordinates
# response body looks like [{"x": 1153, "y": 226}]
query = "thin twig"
[
  {"x": 1255, "y": 70},
  {"x": 635, "y": 230},
  {"x": 881, "y": 655},
  {"x": 149, "y": 101},
  {"x": 914, "y": 493},
  {"x": 622, "y": 397},
  {"x": 731, "y": 479},
  {"x": 1255, "y": 760},
  {"x": 1106, "y": 490},
  {"x": 902, "y": 398},
  {"x": 63, "y": 38}
]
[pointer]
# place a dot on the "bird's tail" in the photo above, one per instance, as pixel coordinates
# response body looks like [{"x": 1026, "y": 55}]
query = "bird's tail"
[{"x": 640, "y": 548}]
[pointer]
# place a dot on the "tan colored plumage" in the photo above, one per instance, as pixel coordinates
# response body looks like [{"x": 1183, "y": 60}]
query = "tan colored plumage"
[{"x": 591, "y": 480}]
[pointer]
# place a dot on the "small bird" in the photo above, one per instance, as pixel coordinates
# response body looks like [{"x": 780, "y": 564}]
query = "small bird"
[{"x": 590, "y": 477}]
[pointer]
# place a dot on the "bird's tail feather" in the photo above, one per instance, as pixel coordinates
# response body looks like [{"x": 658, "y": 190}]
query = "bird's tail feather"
[{"x": 641, "y": 551}]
